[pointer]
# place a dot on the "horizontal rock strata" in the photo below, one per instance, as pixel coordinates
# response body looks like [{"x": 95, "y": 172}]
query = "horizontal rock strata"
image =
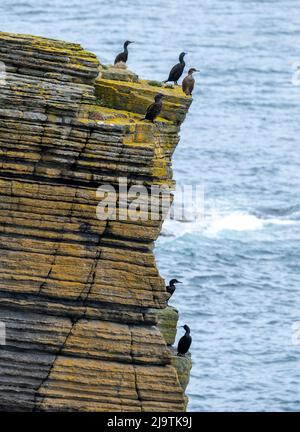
[{"x": 78, "y": 295}]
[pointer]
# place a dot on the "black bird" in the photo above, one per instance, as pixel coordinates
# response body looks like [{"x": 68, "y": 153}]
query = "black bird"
[
  {"x": 171, "y": 287},
  {"x": 154, "y": 109},
  {"x": 185, "y": 342},
  {"x": 123, "y": 56},
  {"x": 189, "y": 82},
  {"x": 177, "y": 70}
]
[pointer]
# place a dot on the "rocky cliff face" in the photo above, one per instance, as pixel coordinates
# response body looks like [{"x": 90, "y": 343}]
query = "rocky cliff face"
[{"x": 79, "y": 296}]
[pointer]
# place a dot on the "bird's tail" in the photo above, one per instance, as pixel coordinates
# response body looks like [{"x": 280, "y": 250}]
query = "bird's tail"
[{"x": 165, "y": 82}]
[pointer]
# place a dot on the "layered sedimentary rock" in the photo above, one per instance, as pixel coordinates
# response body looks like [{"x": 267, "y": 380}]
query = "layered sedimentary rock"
[{"x": 79, "y": 295}]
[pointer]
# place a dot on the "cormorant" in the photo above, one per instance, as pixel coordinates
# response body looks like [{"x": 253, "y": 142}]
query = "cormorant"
[
  {"x": 154, "y": 109},
  {"x": 171, "y": 287},
  {"x": 189, "y": 82},
  {"x": 177, "y": 70},
  {"x": 185, "y": 342},
  {"x": 123, "y": 56}
]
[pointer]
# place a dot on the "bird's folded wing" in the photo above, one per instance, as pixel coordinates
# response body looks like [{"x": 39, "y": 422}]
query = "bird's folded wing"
[
  {"x": 174, "y": 69},
  {"x": 150, "y": 108},
  {"x": 119, "y": 58}
]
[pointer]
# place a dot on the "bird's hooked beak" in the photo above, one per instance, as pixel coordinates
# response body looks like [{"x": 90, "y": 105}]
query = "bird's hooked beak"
[
  {"x": 132, "y": 42},
  {"x": 179, "y": 282}
]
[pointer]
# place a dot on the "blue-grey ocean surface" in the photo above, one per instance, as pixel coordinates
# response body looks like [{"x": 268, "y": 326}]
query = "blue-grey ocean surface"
[{"x": 240, "y": 266}]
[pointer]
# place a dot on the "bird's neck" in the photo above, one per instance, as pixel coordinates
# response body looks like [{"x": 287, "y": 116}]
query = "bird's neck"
[
  {"x": 125, "y": 49},
  {"x": 187, "y": 332}
]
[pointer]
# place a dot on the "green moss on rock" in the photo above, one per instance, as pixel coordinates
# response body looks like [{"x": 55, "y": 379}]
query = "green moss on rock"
[
  {"x": 167, "y": 323},
  {"x": 183, "y": 366}
]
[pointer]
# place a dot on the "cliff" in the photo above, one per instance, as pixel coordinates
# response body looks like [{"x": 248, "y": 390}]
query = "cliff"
[{"x": 80, "y": 297}]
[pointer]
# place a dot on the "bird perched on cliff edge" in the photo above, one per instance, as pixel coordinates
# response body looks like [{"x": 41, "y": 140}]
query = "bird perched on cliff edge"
[
  {"x": 185, "y": 342},
  {"x": 154, "y": 109},
  {"x": 177, "y": 70},
  {"x": 171, "y": 287},
  {"x": 123, "y": 56},
  {"x": 189, "y": 82}
]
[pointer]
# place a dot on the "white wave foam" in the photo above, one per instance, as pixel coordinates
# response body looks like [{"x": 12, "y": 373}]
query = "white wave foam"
[
  {"x": 235, "y": 222},
  {"x": 280, "y": 222},
  {"x": 215, "y": 224}
]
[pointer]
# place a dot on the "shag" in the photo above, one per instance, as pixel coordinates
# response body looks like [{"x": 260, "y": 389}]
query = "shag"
[
  {"x": 154, "y": 109},
  {"x": 177, "y": 70},
  {"x": 185, "y": 342},
  {"x": 171, "y": 287},
  {"x": 189, "y": 82},
  {"x": 123, "y": 56}
]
